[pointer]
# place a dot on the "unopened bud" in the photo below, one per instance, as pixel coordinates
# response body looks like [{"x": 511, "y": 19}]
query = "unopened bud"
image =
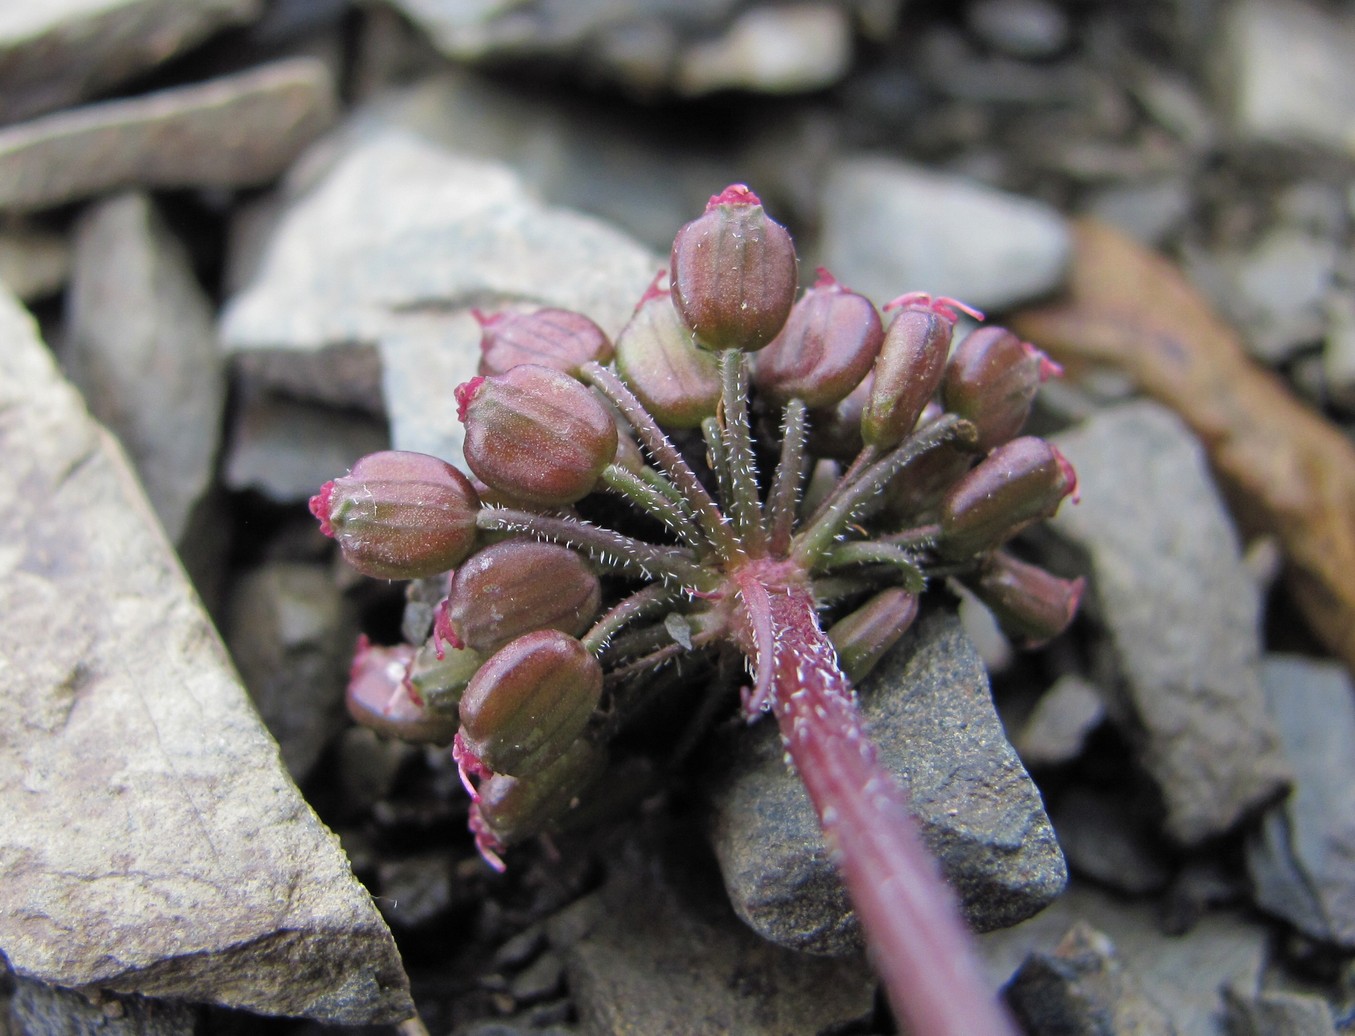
[
  {"x": 907, "y": 374},
  {"x": 536, "y": 434},
  {"x": 1020, "y": 482},
  {"x": 530, "y": 700},
  {"x": 508, "y": 809},
  {"x": 399, "y": 515},
  {"x": 828, "y": 344},
  {"x": 557, "y": 338},
  {"x": 438, "y": 675},
  {"x": 515, "y": 587},
  {"x": 378, "y": 697},
  {"x": 836, "y": 431},
  {"x": 1030, "y": 604},
  {"x": 733, "y": 273},
  {"x": 862, "y": 637},
  {"x": 657, "y": 356},
  {"x": 991, "y": 380}
]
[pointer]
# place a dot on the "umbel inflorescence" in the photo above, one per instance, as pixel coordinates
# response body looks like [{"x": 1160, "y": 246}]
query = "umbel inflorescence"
[{"x": 740, "y": 474}]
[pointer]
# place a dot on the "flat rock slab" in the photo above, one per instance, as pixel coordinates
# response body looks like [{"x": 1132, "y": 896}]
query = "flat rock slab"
[
  {"x": 1182, "y": 616},
  {"x": 236, "y": 131},
  {"x": 58, "y": 52},
  {"x": 929, "y": 709},
  {"x": 150, "y": 840}
]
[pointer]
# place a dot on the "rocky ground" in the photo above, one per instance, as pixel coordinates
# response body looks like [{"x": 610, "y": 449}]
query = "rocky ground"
[{"x": 239, "y": 245}]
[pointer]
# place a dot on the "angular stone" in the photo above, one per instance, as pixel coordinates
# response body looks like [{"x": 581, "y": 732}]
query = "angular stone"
[
  {"x": 41, "y": 1010},
  {"x": 236, "y": 131},
  {"x": 1301, "y": 858},
  {"x": 1276, "y": 1013},
  {"x": 150, "y": 841},
  {"x": 395, "y": 245},
  {"x": 59, "y": 52},
  {"x": 890, "y": 228},
  {"x": 1181, "y": 613},
  {"x": 1060, "y": 723},
  {"x": 141, "y": 346},
  {"x": 928, "y": 708},
  {"x": 790, "y": 49},
  {"x": 657, "y": 950}
]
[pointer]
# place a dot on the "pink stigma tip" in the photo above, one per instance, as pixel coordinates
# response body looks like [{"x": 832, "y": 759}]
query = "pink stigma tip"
[
  {"x": 824, "y": 279},
  {"x": 319, "y": 505},
  {"x": 1069, "y": 475},
  {"x": 465, "y": 393},
  {"x": 653, "y": 291},
  {"x": 734, "y": 194}
]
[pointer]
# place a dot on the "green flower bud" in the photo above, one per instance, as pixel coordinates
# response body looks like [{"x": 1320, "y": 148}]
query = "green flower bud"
[
  {"x": 1033, "y": 606},
  {"x": 399, "y": 515},
  {"x": 991, "y": 380},
  {"x": 530, "y": 700},
  {"x": 515, "y": 587},
  {"x": 508, "y": 809},
  {"x": 862, "y": 637},
  {"x": 379, "y": 697},
  {"x": 733, "y": 273},
  {"x": 825, "y": 348},
  {"x": 1019, "y": 483},
  {"x": 557, "y": 338},
  {"x": 536, "y": 434},
  {"x": 439, "y": 676},
  {"x": 657, "y": 356},
  {"x": 907, "y": 374}
]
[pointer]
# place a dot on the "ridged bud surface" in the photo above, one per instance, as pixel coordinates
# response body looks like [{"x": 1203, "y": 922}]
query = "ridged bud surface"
[
  {"x": 399, "y": 515},
  {"x": 907, "y": 375},
  {"x": 379, "y": 698},
  {"x": 530, "y": 700},
  {"x": 519, "y": 586},
  {"x": 536, "y": 434},
  {"x": 991, "y": 380},
  {"x": 439, "y": 675},
  {"x": 1020, "y": 482},
  {"x": 1030, "y": 604},
  {"x": 734, "y": 273},
  {"x": 825, "y": 348},
  {"x": 657, "y": 356},
  {"x": 862, "y": 637},
  {"x": 509, "y": 809},
  {"x": 557, "y": 338}
]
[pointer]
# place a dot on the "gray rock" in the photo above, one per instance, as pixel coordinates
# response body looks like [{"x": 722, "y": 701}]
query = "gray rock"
[
  {"x": 1181, "y": 613},
  {"x": 290, "y": 636},
  {"x": 890, "y": 228},
  {"x": 1104, "y": 838},
  {"x": 416, "y": 890},
  {"x": 141, "y": 345},
  {"x": 1148, "y": 212},
  {"x": 42, "y": 1010},
  {"x": 33, "y": 263},
  {"x": 394, "y": 247},
  {"x": 236, "y": 131},
  {"x": 790, "y": 49},
  {"x": 1300, "y": 861},
  {"x": 1277, "y": 289},
  {"x": 658, "y": 951},
  {"x": 1020, "y": 28},
  {"x": 150, "y": 841},
  {"x": 1276, "y": 1013},
  {"x": 1060, "y": 723},
  {"x": 62, "y": 51},
  {"x": 929, "y": 709},
  {"x": 1083, "y": 989},
  {"x": 1296, "y": 94}
]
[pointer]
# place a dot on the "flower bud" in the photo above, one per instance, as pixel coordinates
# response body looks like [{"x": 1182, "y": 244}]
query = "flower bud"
[
  {"x": 826, "y": 347},
  {"x": 836, "y": 431},
  {"x": 515, "y": 587},
  {"x": 399, "y": 515},
  {"x": 529, "y": 701},
  {"x": 557, "y": 338},
  {"x": 438, "y": 676},
  {"x": 657, "y": 356},
  {"x": 914, "y": 494},
  {"x": 733, "y": 273},
  {"x": 1031, "y": 605},
  {"x": 863, "y": 637},
  {"x": 907, "y": 374},
  {"x": 379, "y": 698},
  {"x": 1019, "y": 483},
  {"x": 536, "y": 434},
  {"x": 508, "y": 809},
  {"x": 991, "y": 380}
]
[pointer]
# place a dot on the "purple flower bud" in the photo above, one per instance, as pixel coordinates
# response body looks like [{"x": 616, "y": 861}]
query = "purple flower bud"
[
  {"x": 914, "y": 495},
  {"x": 862, "y": 637},
  {"x": 1032, "y": 605},
  {"x": 836, "y": 432},
  {"x": 515, "y": 587},
  {"x": 399, "y": 515},
  {"x": 379, "y": 697},
  {"x": 991, "y": 380},
  {"x": 826, "y": 347},
  {"x": 1019, "y": 483},
  {"x": 529, "y": 701},
  {"x": 907, "y": 374},
  {"x": 508, "y": 809},
  {"x": 657, "y": 356},
  {"x": 733, "y": 273},
  {"x": 536, "y": 434},
  {"x": 557, "y": 338},
  {"x": 438, "y": 676}
]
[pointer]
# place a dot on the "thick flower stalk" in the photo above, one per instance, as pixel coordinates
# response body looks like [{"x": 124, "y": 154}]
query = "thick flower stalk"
[{"x": 848, "y": 464}]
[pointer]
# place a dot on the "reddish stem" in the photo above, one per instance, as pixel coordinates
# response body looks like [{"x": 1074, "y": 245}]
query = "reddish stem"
[{"x": 918, "y": 941}]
